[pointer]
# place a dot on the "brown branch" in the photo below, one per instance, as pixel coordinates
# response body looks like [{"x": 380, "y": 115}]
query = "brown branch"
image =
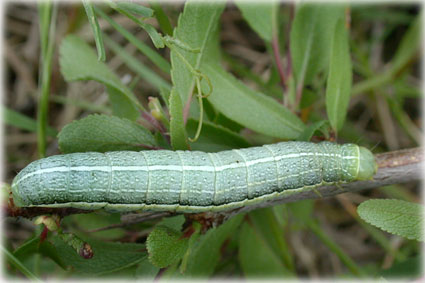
[{"x": 394, "y": 167}]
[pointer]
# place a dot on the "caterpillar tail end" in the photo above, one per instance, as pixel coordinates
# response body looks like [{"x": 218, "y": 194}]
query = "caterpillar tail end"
[{"x": 367, "y": 164}]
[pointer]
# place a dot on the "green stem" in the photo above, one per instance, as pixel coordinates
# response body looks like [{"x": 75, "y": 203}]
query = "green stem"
[
  {"x": 47, "y": 22},
  {"x": 335, "y": 249},
  {"x": 201, "y": 111},
  {"x": 372, "y": 83},
  {"x": 18, "y": 264}
]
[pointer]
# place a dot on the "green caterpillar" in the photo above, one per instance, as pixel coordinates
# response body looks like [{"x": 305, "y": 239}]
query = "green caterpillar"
[{"x": 188, "y": 181}]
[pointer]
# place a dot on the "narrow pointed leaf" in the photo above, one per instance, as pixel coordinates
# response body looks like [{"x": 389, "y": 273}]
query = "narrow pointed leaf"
[
  {"x": 338, "y": 88},
  {"x": 251, "y": 109},
  {"x": 260, "y": 16},
  {"x": 196, "y": 27},
  {"x": 310, "y": 39}
]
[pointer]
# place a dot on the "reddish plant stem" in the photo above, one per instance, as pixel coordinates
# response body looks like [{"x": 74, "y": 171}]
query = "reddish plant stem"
[
  {"x": 186, "y": 108},
  {"x": 150, "y": 147},
  {"x": 288, "y": 70}
]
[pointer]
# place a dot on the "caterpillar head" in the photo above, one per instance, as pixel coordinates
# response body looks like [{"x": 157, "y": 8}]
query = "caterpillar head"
[{"x": 367, "y": 164}]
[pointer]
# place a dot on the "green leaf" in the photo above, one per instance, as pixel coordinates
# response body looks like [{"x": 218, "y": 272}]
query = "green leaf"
[
  {"x": 93, "y": 221},
  {"x": 16, "y": 119},
  {"x": 135, "y": 8},
  {"x": 310, "y": 39},
  {"x": 309, "y": 98},
  {"x": 18, "y": 264},
  {"x": 251, "y": 109},
  {"x": 260, "y": 16},
  {"x": 409, "y": 269},
  {"x": 256, "y": 258},
  {"x": 153, "y": 34},
  {"x": 157, "y": 59},
  {"x": 34, "y": 245},
  {"x": 271, "y": 87},
  {"x": 165, "y": 95},
  {"x": 406, "y": 51},
  {"x": 308, "y": 133},
  {"x": 145, "y": 270},
  {"x": 271, "y": 237},
  {"x": 196, "y": 28},
  {"x": 78, "y": 62},
  {"x": 103, "y": 133},
  {"x": 108, "y": 257},
  {"x": 174, "y": 222},
  {"x": 165, "y": 246},
  {"x": 163, "y": 21},
  {"x": 206, "y": 251},
  {"x": 47, "y": 12},
  {"x": 97, "y": 33},
  {"x": 338, "y": 88},
  {"x": 409, "y": 46},
  {"x": 177, "y": 129},
  {"x": 121, "y": 107},
  {"x": 394, "y": 216},
  {"x": 407, "y": 125},
  {"x": 302, "y": 210},
  {"x": 214, "y": 138}
]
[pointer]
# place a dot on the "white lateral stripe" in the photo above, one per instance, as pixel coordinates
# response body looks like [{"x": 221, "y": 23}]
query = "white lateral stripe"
[{"x": 202, "y": 168}]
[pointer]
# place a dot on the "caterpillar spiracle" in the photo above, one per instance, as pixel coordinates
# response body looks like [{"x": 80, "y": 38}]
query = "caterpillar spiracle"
[{"x": 188, "y": 181}]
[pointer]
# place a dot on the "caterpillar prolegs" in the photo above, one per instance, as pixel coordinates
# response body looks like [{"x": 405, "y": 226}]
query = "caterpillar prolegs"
[{"x": 188, "y": 181}]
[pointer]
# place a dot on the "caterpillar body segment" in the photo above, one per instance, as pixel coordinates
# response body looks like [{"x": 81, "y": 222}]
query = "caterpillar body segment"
[{"x": 188, "y": 181}]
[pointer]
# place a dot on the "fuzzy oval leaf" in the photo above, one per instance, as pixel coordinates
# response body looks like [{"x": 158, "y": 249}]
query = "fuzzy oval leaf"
[
  {"x": 260, "y": 16},
  {"x": 394, "y": 216},
  {"x": 196, "y": 28},
  {"x": 165, "y": 246},
  {"x": 310, "y": 39},
  {"x": 103, "y": 133},
  {"x": 338, "y": 88},
  {"x": 251, "y": 109},
  {"x": 78, "y": 61}
]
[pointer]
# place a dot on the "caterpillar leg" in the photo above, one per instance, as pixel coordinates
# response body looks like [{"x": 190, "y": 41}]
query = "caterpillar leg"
[
  {"x": 317, "y": 192},
  {"x": 340, "y": 187}
]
